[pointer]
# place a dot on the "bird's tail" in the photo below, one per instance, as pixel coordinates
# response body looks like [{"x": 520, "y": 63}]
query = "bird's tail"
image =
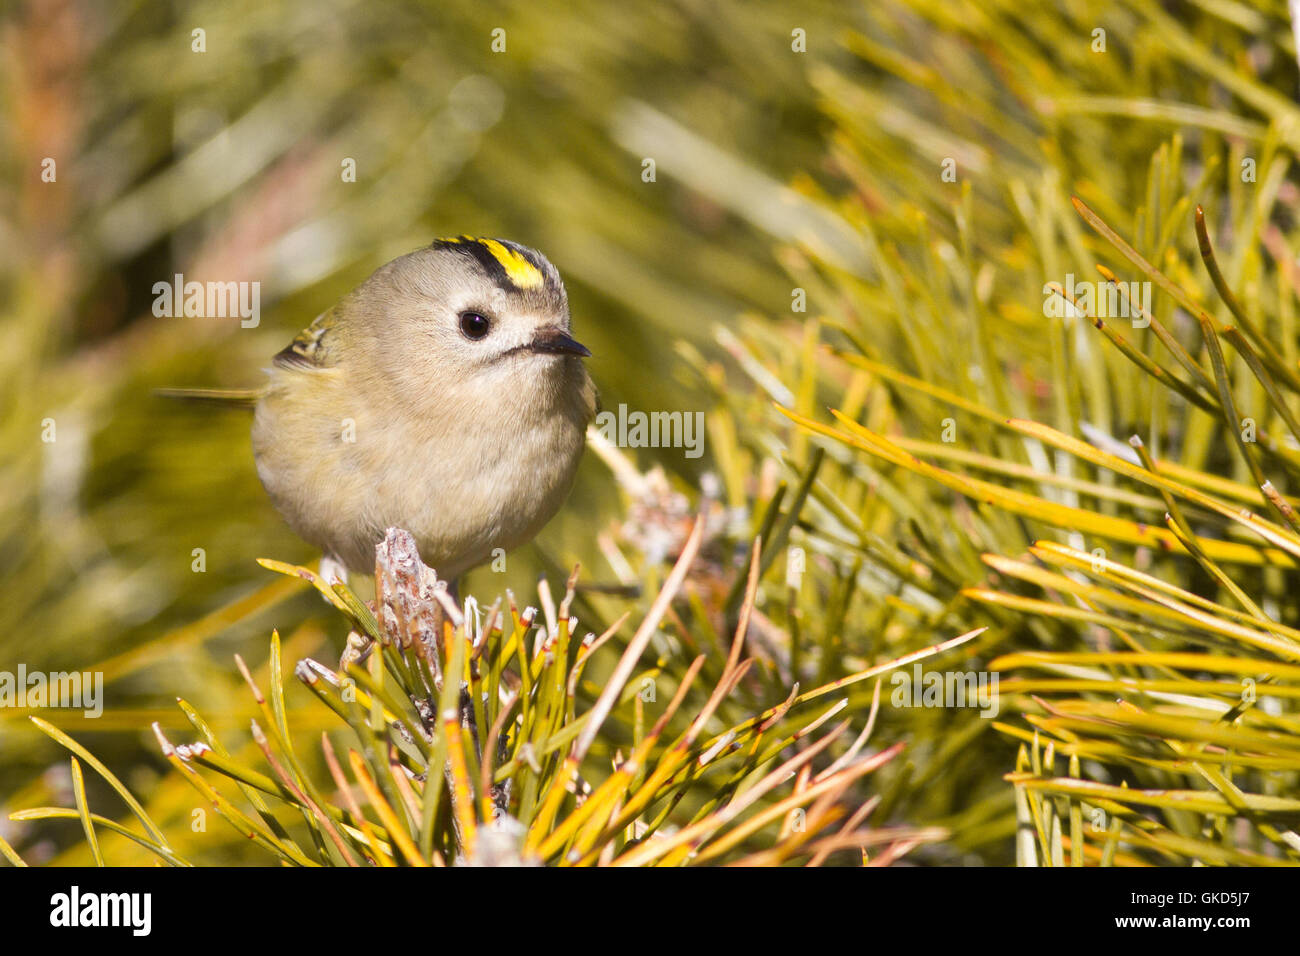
[{"x": 225, "y": 397}]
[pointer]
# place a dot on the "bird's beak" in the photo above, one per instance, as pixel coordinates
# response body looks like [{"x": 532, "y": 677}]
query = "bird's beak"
[{"x": 556, "y": 341}]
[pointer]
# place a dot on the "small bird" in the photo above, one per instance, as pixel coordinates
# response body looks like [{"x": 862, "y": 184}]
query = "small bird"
[{"x": 444, "y": 395}]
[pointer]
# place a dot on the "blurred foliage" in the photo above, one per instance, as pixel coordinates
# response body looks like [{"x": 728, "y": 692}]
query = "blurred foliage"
[
  {"x": 488, "y": 770},
  {"x": 977, "y": 472}
]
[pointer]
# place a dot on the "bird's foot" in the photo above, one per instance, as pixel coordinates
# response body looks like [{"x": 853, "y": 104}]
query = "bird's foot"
[
  {"x": 356, "y": 650},
  {"x": 332, "y": 570}
]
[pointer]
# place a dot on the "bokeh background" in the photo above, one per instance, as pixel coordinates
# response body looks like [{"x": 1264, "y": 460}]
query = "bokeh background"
[{"x": 226, "y": 165}]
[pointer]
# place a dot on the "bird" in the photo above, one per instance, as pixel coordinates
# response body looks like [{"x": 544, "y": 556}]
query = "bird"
[{"x": 444, "y": 395}]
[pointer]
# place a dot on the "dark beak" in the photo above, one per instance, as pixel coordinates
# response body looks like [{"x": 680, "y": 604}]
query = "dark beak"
[{"x": 556, "y": 341}]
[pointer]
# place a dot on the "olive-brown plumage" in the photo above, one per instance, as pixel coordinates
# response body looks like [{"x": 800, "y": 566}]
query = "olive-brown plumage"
[{"x": 444, "y": 395}]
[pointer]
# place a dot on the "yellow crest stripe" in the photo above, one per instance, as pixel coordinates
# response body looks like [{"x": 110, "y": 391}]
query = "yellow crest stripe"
[
  {"x": 514, "y": 266},
  {"x": 518, "y": 269}
]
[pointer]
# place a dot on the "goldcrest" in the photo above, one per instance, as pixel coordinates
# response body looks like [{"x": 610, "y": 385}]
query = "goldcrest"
[{"x": 444, "y": 395}]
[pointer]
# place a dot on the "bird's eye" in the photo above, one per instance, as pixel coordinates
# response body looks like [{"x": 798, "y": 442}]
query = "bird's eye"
[{"x": 474, "y": 325}]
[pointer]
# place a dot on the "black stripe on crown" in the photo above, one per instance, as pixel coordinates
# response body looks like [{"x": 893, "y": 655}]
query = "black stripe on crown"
[{"x": 508, "y": 264}]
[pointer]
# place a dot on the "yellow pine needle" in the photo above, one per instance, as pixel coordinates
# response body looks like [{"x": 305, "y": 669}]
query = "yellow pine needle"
[{"x": 396, "y": 831}]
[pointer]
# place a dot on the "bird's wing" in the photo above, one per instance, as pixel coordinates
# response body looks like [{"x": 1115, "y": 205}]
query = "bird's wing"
[{"x": 314, "y": 347}]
